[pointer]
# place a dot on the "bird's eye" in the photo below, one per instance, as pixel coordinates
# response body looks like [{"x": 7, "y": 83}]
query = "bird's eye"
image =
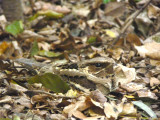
[{"x": 98, "y": 64}]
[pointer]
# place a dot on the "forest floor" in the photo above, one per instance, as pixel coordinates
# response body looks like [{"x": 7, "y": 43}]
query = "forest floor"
[{"x": 81, "y": 60}]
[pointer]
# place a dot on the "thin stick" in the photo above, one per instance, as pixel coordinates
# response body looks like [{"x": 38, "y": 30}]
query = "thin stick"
[
  {"x": 129, "y": 21},
  {"x": 53, "y": 95}
]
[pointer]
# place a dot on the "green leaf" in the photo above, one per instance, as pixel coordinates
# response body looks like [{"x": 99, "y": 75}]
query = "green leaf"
[
  {"x": 48, "y": 14},
  {"x": 15, "y": 28},
  {"x": 16, "y": 118},
  {"x": 137, "y": 0},
  {"x": 51, "y": 81},
  {"x": 35, "y": 49},
  {"x": 106, "y": 1},
  {"x": 91, "y": 39},
  {"x": 49, "y": 53},
  {"x": 156, "y": 39},
  {"x": 144, "y": 107},
  {"x": 5, "y": 119}
]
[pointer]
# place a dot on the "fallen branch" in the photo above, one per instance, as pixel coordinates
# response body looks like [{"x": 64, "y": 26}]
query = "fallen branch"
[
  {"x": 129, "y": 21},
  {"x": 53, "y": 95}
]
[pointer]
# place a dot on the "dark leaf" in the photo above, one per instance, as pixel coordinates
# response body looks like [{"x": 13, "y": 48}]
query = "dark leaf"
[
  {"x": 35, "y": 49},
  {"x": 51, "y": 81}
]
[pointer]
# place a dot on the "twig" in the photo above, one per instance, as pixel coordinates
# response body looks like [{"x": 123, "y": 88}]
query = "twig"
[
  {"x": 53, "y": 95},
  {"x": 129, "y": 21}
]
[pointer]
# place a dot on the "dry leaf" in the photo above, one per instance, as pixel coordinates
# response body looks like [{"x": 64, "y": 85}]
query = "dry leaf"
[
  {"x": 115, "y": 110},
  {"x": 39, "y": 98},
  {"x": 115, "y": 9},
  {"x": 128, "y": 109},
  {"x": 146, "y": 93},
  {"x": 153, "y": 11},
  {"x": 116, "y": 53},
  {"x": 154, "y": 81},
  {"x": 79, "y": 106},
  {"x": 144, "y": 24},
  {"x": 153, "y": 38},
  {"x": 124, "y": 75},
  {"x": 3, "y": 46},
  {"x": 6, "y": 99},
  {"x": 30, "y": 34},
  {"x": 98, "y": 96},
  {"x": 24, "y": 101},
  {"x": 133, "y": 86},
  {"x": 133, "y": 39},
  {"x": 151, "y": 50},
  {"x": 154, "y": 62},
  {"x": 81, "y": 11},
  {"x": 57, "y": 116},
  {"x": 62, "y": 9},
  {"x": 112, "y": 110}
]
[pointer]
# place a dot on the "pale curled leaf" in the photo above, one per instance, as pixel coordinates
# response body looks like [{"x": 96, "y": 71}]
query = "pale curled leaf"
[
  {"x": 115, "y": 110},
  {"x": 151, "y": 50},
  {"x": 124, "y": 74},
  {"x": 79, "y": 106},
  {"x": 62, "y": 9},
  {"x": 153, "y": 11},
  {"x": 129, "y": 109},
  {"x": 145, "y": 108},
  {"x": 112, "y": 109},
  {"x": 30, "y": 34},
  {"x": 6, "y": 99},
  {"x": 81, "y": 10}
]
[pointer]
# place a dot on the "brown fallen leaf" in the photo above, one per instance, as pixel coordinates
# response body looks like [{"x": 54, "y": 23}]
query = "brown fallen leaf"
[
  {"x": 98, "y": 96},
  {"x": 18, "y": 108},
  {"x": 133, "y": 39},
  {"x": 154, "y": 62},
  {"x": 115, "y": 9},
  {"x": 129, "y": 109},
  {"x": 39, "y": 98},
  {"x": 116, "y": 53},
  {"x": 153, "y": 11},
  {"x": 79, "y": 106}
]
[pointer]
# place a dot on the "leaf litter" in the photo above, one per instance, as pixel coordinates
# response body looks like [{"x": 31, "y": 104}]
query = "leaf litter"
[{"x": 60, "y": 31}]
